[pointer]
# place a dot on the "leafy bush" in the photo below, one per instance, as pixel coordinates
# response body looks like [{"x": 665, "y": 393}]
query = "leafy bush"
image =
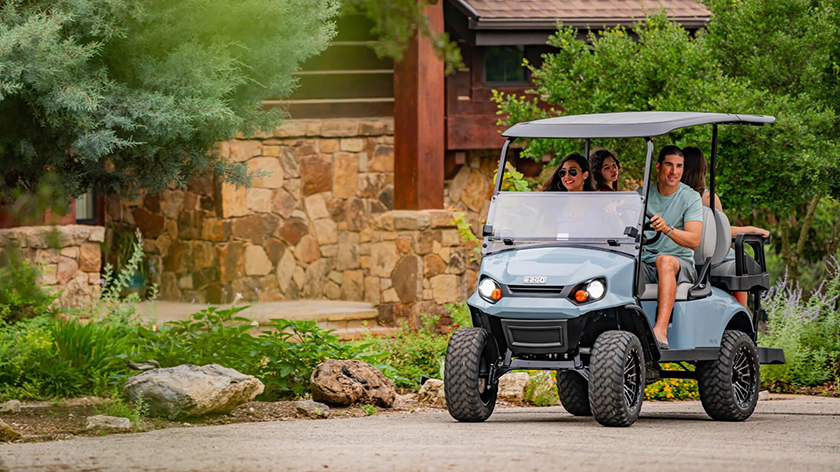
[
  {"x": 415, "y": 352},
  {"x": 809, "y": 332},
  {"x": 282, "y": 358},
  {"x": 21, "y": 296}
]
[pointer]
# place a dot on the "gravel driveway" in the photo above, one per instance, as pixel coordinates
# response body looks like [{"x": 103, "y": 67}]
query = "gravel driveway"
[{"x": 795, "y": 433}]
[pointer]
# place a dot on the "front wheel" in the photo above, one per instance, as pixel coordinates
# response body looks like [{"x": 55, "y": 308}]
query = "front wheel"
[
  {"x": 616, "y": 378},
  {"x": 468, "y": 383},
  {"x": 729, "y": 385}
]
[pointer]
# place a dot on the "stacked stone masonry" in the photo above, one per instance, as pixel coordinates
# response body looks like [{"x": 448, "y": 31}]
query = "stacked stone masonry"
[
  {"x": 319, "y": 224},
  {"x": 70, "y": 258}
]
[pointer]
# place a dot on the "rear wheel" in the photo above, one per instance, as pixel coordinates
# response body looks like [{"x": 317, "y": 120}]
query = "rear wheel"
[
  {"x": 616, "y": 378},
  {"x": 573, "y": 390},
  {"x": 729, "y": 385},
  {"x": 470, "y": 393}
]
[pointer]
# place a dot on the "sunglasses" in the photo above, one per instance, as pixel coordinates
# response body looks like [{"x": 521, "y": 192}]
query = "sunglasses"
[{"x": 562, "y": 172}]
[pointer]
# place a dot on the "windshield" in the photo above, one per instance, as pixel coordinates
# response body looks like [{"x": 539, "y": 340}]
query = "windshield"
[{"x": 576, "y": 218}]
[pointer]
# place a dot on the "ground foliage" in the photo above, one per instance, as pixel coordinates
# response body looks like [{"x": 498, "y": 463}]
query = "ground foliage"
[
  {"x": 127, "y": 94},
  {"x": 808, "y": 329},
  {"x": 744, "y": 62}
]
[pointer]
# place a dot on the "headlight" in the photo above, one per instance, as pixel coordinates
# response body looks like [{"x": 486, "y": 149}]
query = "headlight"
[
  {"x": 596, "y": 289},
  {"x": 589, "y": 291},
  {"x": 489, "y": 290}
]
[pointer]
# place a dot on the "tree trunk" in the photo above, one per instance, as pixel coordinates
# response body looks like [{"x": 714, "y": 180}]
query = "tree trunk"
[{"x": 792, "y": 256}]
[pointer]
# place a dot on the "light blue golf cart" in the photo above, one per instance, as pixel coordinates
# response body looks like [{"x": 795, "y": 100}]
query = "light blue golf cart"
[{"x": 562, "y": 288}]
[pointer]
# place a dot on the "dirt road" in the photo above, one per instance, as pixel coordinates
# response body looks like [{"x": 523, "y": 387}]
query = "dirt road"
[{"x": 801, "y": 433}]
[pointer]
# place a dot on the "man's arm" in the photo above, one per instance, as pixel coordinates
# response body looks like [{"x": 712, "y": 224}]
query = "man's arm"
[{"x": 689, "y": 237}]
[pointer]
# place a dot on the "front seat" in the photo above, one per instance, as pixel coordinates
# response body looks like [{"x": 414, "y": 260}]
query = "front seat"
[{"x": 714, "y": 245}]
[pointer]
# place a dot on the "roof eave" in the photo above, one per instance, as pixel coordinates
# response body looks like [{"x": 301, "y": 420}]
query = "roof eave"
[{"x": 593, "y": 23}]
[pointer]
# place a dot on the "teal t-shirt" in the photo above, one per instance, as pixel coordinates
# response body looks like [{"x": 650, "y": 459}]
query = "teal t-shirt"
[{"x": 684, "y": 205}]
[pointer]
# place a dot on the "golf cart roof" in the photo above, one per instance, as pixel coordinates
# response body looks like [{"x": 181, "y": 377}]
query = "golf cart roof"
[{"x": 625, "y": 125}]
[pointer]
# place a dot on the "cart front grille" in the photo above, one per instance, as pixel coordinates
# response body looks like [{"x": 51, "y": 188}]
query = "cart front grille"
[{"x": 536, "y": 291}]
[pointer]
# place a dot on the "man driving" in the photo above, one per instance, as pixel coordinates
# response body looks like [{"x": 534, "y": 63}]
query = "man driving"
[{"x": 678, "y": 215}]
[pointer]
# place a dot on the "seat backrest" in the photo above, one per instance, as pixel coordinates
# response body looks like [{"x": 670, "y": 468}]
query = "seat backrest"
[{"x": 716, "y": 238}]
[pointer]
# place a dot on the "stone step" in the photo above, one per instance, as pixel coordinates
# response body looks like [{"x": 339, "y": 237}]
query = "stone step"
[{"x": 329, "y": 314}]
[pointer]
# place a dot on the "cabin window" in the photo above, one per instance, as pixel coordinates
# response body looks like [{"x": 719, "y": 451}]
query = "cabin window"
[
  {"x": 86, "y": 208},
  {"x": 503, "y": 65}
]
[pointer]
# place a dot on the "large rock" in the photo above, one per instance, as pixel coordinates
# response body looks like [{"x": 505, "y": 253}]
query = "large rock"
[
  {"x": 7, "y": 434},
  {"x": 191, "y": 390},
  {"x": 512, "y": 386},
  {"x": 432, "y": 392},
  {"x": 11, "y": 406},
  {"x": 344, "y": 383}
]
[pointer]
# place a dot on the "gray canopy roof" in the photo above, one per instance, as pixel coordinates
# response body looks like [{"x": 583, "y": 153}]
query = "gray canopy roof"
[{"x": 625, "y": 125}]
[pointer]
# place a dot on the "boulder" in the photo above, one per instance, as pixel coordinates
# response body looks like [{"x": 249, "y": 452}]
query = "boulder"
[
  {"x": 7, "y": 434},
  {"x": 191, "y": 390},
  {"x": 512, "y": 386},
  {"x": 11, "y": 406},
  {"x": 112, "y": 423},
  {"x": 344, "y": 383},
  {"x": 432, "y": 392},
  {"x": 312, "y": 409}
]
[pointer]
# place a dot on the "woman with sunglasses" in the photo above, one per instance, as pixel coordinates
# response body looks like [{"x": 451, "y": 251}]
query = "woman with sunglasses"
[
  {"x": 605, "y": 167},
  {"x": 572, "y": 175}
]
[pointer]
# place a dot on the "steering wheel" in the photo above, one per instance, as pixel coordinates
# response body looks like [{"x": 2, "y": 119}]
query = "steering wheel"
[{"x": 649, "y": 227}]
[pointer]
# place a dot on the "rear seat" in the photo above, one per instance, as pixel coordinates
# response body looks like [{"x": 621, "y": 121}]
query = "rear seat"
[{"x": 713, "y": 248}]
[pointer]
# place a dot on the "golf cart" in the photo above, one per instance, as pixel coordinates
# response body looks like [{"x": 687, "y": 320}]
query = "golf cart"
[{"x": 562, "y": 288}]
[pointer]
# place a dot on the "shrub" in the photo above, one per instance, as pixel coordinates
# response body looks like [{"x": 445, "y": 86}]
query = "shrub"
[
  {"x": 673, "y": 389},
  {"x": 292, "y": 351},
  {"x": 21, "y": 296},
  {"x": 808, "y": 331},
  {"x": 542, "y": 388},
  {"x": 283, "y": 358},
  {"x": 415, "y": 352}
]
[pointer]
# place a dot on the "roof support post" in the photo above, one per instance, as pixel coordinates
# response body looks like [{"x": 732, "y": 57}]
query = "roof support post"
[
  {"x": 419, "y": 122},
  {"x": 586, "y": 150},
  {"x": 712, "y": 166}
]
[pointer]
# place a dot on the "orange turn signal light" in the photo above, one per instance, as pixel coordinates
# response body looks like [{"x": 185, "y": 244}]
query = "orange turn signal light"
[
  {"x": 581, "y": 296},
  {"x": 497, "y": 294}
]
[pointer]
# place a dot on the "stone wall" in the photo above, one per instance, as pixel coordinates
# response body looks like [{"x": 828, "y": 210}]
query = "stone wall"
[
  {"x": 320, "y": 225},
  {"x": 70, "y": 258},
  {"x": 470, "y": 190}
]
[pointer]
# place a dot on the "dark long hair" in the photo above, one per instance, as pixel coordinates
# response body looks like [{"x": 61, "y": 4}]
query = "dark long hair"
[
  {"x": 694, "y": 170},
  {"x": 553, "y": 183},
  {"x": 596, "y": 161}
]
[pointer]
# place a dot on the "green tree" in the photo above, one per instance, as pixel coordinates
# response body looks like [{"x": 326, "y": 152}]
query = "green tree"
[
  {"x": 124, "y": 94},
  {"x": 766, "y": 172},
  {"x": 397, "y": 21}
]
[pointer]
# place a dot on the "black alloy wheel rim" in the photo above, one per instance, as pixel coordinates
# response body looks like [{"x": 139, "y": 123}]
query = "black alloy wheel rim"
[
  {"x": 743, "y": 377},
  {"x": 632, "y": 387}
]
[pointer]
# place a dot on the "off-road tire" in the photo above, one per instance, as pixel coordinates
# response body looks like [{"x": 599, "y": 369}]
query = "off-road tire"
[
  {"x": 716, "y": 378},
  {"x": 465, "y": 399},
  {"x": 607, "y": 374},
  {"x": 573, "y": 391}
]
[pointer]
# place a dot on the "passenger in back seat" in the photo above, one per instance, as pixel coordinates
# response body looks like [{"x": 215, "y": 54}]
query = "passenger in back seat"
[{"x": 694, "y": 175}]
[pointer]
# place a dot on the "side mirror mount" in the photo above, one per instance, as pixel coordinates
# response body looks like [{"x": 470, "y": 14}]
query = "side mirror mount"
[{"x": 487, "y": 230}]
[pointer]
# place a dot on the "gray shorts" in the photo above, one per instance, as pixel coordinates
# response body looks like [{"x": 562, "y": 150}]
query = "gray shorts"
[{"x": 686, "y": 275}]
